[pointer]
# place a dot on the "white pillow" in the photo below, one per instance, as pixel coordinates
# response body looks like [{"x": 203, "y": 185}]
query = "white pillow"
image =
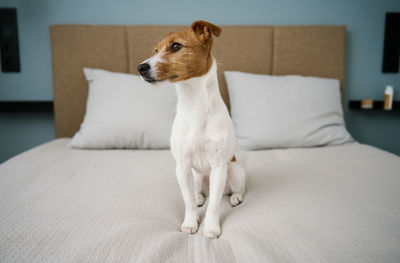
[
  {"x": 124, "y": 111},
  {"x": 285, "y": 111}
]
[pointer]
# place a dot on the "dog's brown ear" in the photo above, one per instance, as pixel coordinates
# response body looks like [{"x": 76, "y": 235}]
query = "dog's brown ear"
[{"x": 203, "y": 30}]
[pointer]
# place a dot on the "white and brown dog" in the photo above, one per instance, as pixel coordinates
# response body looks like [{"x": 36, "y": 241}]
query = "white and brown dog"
[{"x": 202, "y": 139}]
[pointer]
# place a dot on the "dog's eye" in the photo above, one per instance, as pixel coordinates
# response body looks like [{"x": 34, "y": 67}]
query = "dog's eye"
[
  {"x": 156, "y": 50},
  {"x": 175, "y": 47}
]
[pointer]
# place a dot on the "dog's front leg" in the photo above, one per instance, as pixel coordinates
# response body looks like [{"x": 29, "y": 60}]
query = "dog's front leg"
[
  {"x": 191, "y": 222},
  {"x": 217, "y": 185}
]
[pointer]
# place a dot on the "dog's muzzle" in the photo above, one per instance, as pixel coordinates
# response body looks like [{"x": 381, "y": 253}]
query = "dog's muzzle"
[{"x": 144, "y": 70}]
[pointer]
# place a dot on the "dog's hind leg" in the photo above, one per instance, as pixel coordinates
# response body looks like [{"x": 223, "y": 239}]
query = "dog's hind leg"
[
  {"x": 236, "y": 181},
  {"x": 198, "y": 188}
]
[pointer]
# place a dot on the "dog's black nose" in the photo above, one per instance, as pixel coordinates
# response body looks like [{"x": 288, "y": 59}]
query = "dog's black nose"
[{"x": 143, "y": 68}]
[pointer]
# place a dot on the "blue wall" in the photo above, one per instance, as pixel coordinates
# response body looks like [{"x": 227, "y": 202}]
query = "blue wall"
[{"x": 364, "y": 21}]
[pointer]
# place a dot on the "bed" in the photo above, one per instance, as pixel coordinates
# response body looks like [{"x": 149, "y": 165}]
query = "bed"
[{"x": 322, "y": 204}]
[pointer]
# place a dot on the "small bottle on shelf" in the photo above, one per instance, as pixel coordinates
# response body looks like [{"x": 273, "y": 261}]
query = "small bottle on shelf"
[{"x": 387, "y": 104}]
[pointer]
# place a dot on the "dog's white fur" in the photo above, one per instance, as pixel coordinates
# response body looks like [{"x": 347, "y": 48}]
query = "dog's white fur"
[{"x": 203, "y": 143}]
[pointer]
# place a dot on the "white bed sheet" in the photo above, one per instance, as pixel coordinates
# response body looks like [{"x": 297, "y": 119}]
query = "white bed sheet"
[{"x": 331, "y": 204}]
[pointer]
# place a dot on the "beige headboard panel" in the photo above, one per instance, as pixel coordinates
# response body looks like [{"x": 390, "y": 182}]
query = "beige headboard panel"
[{"x": 278, "y": 50}]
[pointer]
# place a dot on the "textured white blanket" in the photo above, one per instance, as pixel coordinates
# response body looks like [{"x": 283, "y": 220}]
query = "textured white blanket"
[{"x": 332, "y": 204}]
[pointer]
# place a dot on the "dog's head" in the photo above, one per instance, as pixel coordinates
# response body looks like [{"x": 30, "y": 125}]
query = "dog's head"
[{"x": 182, "y": 55}]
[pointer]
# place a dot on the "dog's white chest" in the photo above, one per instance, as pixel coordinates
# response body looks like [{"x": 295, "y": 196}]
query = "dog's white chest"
[
  {"x": 202, "y": 134},
  {"x": 194, "y": 154},
  {"x": 202, "y": 145}
]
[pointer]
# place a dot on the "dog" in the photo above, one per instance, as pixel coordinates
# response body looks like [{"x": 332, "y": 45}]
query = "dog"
[{"x": 202, "y": 139}]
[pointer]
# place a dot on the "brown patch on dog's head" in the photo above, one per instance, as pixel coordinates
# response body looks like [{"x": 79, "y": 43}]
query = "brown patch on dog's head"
[{"x": 182, "y": 55}]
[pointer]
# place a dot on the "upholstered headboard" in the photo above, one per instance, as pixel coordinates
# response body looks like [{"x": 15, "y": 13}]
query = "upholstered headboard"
[{"x": 277, "y": 50}]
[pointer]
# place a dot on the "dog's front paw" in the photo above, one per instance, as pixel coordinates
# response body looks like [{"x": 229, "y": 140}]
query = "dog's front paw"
[
  {"x": 236, "y": 199},
  {"x": 191, "y": 224},
  {"x": 200, "y": 199},
  {"x": 190, "y": 228},
  {"x": 212, "y": 231},
  {"x": 211, "y": 227}
]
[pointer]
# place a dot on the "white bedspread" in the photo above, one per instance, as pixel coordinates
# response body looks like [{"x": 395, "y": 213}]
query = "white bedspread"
[{"x": 333, "y": 204}]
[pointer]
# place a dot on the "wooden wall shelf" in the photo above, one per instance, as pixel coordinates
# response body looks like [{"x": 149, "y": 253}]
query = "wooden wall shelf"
[
  {"x": 378, "y": 106},
  {"x": 26, "y": 106}
]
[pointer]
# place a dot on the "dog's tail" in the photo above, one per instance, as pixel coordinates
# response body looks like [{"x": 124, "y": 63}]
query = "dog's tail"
[
  {"x": 240, "y": 159},
  {"x": 237, "y": 179}
]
